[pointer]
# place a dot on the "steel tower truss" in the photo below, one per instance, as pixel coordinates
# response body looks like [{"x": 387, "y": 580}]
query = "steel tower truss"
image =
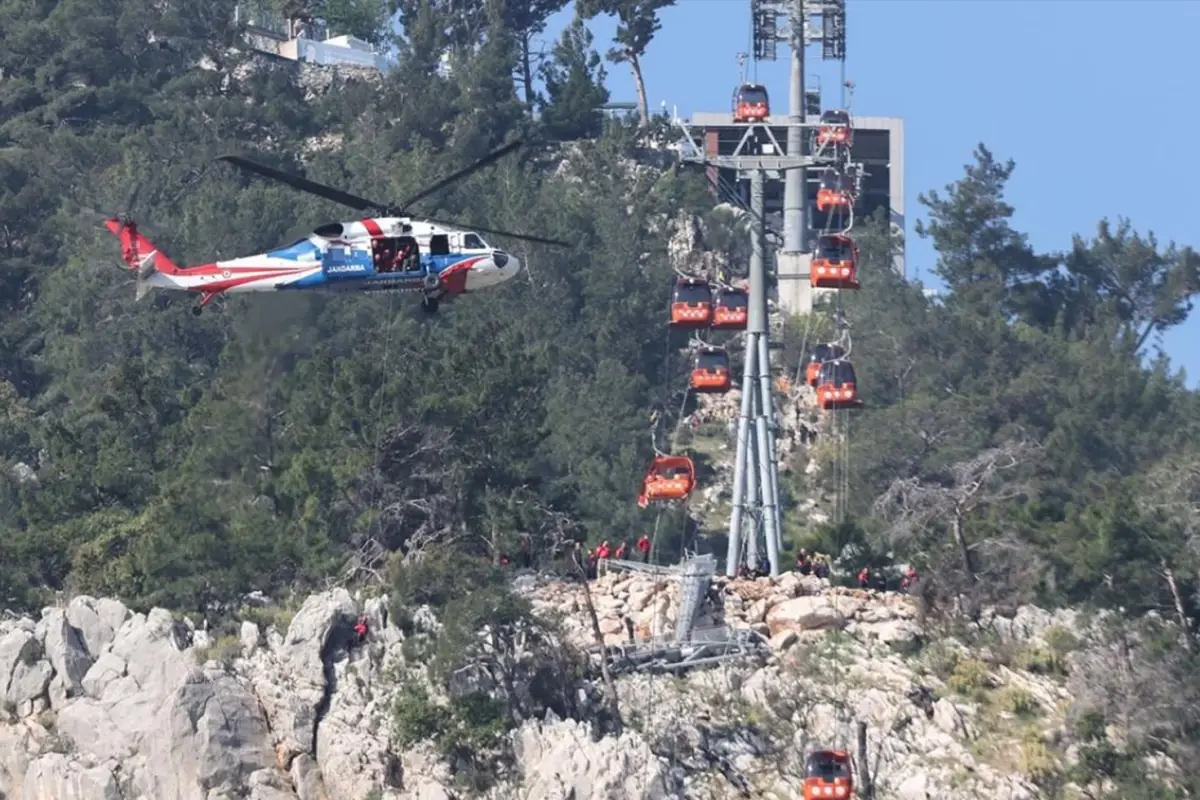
[{"x": 756, "y": 518}]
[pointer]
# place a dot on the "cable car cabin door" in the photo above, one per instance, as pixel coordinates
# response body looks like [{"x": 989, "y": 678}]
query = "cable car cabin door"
[{"x": 347, "y": 262}]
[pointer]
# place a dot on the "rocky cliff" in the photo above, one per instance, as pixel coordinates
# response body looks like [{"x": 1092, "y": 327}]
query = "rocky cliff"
[{"x": 101, "y": 703}]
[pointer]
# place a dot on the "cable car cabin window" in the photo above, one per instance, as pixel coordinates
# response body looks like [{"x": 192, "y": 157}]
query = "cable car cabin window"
[
  {"x": 732, "y": 298},
  {"x": 836, "y": 373},
  {"x": 692, "y": 293},
  {"x": 830, "y": 249},
  {"x": 471, "y": 241},
  {"x": 831, "y": 179},
  {"x": 826, "y": 352},
  {"x": 712, "y": 361},
  {"x": 835, "y": 117},
  {"x": 826, "y": 768},
  {"x": 752, "y": 94},
  {"x": 439, "y": 245}
]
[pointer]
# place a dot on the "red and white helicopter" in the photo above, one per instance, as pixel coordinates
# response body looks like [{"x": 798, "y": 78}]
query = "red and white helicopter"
[{"x": 389, "y": 252}]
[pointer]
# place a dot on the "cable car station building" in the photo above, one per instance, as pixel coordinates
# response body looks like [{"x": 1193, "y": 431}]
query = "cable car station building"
[{"x": 878, "y": 145}]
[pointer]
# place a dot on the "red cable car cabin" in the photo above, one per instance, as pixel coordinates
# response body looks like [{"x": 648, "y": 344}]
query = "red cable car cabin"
[
  {"x": 691, "y": 304},
  {"x": 750, "y": 103},
  {"x": 710, "y": 371},
  {"x": 836, "y": 387},
  {"x": 828, "y": 774},
  {"x": 835, "y": 263},
  {"x": 732, "y": 310},
  {"x": 835, "y": 189},
  {"x": 669, "y": 478},
  {"x": 820, "y": 354},
  {"x": 835, "y": 129}
]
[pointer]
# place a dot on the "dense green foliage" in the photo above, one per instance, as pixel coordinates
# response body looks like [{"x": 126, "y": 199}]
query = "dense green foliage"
[{"x": 175, "y": 460}]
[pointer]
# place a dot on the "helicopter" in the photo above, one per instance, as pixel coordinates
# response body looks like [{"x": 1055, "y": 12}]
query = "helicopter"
[{"x": 387, "y": 252}]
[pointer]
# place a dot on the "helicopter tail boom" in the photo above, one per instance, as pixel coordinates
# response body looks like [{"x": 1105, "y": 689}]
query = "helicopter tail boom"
[{"x": 142, "y": 256}]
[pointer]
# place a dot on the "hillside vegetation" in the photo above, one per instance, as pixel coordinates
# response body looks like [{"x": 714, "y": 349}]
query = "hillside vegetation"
[{"x": 1019, "y": 444}]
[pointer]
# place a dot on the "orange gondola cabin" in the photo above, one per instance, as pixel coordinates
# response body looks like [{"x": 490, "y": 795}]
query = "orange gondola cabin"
[
  {"x": 732, "y": 310},
  {"x": 828, "y": 774},
  {"x": 835, "y": 190},
  {"x": 835, "y": 263},
  {"x": 835, "y": 128},
  {"x": 710, "y": 371},
  {"x": 669, "y": 479},
  {"x": 820, "y": 354},
  {"x": 750, "y": 103},
  {"x": 836, "y": 386},
  {"x": 691, "y": 304}
]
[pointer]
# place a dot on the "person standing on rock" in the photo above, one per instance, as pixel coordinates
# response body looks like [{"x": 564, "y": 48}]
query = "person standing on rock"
[
  {"x": 643, "y": 548},
  {"x": 621, "y": 550}
]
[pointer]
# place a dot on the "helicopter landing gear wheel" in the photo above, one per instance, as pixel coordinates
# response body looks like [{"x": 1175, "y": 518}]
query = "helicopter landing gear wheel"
[
  {"x": 432, "y": 282},
  {"x": 429, "y": 304}
]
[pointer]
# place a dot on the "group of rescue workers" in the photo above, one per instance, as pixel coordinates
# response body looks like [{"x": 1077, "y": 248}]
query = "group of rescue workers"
[
  {"x": 816, "y": 564},
  {"x": 605, "y": 551}
]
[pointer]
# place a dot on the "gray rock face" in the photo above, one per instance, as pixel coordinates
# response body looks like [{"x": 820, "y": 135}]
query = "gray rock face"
[{"x": 102, "y": 704}]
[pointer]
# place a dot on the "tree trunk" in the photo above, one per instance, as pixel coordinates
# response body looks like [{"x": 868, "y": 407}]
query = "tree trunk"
[
  {"x": 527, "y": 71},
  {"x": 1183, "y": 620},
  {"x": 964, "y": 552},
  {"x": 635, "y": 64},
  {"x": 610, "y": 687}
]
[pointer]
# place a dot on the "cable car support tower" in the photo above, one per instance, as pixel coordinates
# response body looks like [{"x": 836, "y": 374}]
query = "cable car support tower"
[{"x": 756, "y": 511}]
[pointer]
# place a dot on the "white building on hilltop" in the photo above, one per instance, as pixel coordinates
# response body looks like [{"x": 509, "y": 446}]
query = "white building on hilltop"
[{"x": 303, "y": 40}]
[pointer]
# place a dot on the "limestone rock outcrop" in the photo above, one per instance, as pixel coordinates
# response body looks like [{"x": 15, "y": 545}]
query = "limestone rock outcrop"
[{"x": 103, "y": 704}]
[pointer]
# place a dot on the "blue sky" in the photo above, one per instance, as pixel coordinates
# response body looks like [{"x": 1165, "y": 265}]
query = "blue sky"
[{"x": 1060, "y": 86}]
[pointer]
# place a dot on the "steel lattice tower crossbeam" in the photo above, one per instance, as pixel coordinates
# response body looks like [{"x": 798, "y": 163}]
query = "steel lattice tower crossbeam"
[{"x": 756, "y": 507}]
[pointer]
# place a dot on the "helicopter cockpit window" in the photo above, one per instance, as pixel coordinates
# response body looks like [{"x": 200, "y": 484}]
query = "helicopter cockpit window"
[{"x": 472, "y": 241}]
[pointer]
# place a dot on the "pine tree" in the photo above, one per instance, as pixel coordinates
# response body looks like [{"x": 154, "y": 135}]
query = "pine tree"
[{"x": 575, "y": 88}]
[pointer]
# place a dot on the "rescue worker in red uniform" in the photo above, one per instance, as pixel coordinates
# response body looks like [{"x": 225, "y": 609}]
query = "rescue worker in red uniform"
[
  {"x": 864, "y": 577},
  {"x": 620, "y": 551},
  {"x": 643, "y": 548},
  {"x": 360, "y": 629}
]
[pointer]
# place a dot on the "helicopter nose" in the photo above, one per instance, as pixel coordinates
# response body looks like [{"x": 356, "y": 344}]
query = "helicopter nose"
[{"x": 507, "y": 264}]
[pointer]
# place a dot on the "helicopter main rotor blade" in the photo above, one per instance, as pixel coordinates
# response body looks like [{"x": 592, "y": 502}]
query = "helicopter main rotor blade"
[
  {"x": 480, "y": 229},
  {"x": 487, "y": 160},
  {"x": 304, "y": 184}
]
